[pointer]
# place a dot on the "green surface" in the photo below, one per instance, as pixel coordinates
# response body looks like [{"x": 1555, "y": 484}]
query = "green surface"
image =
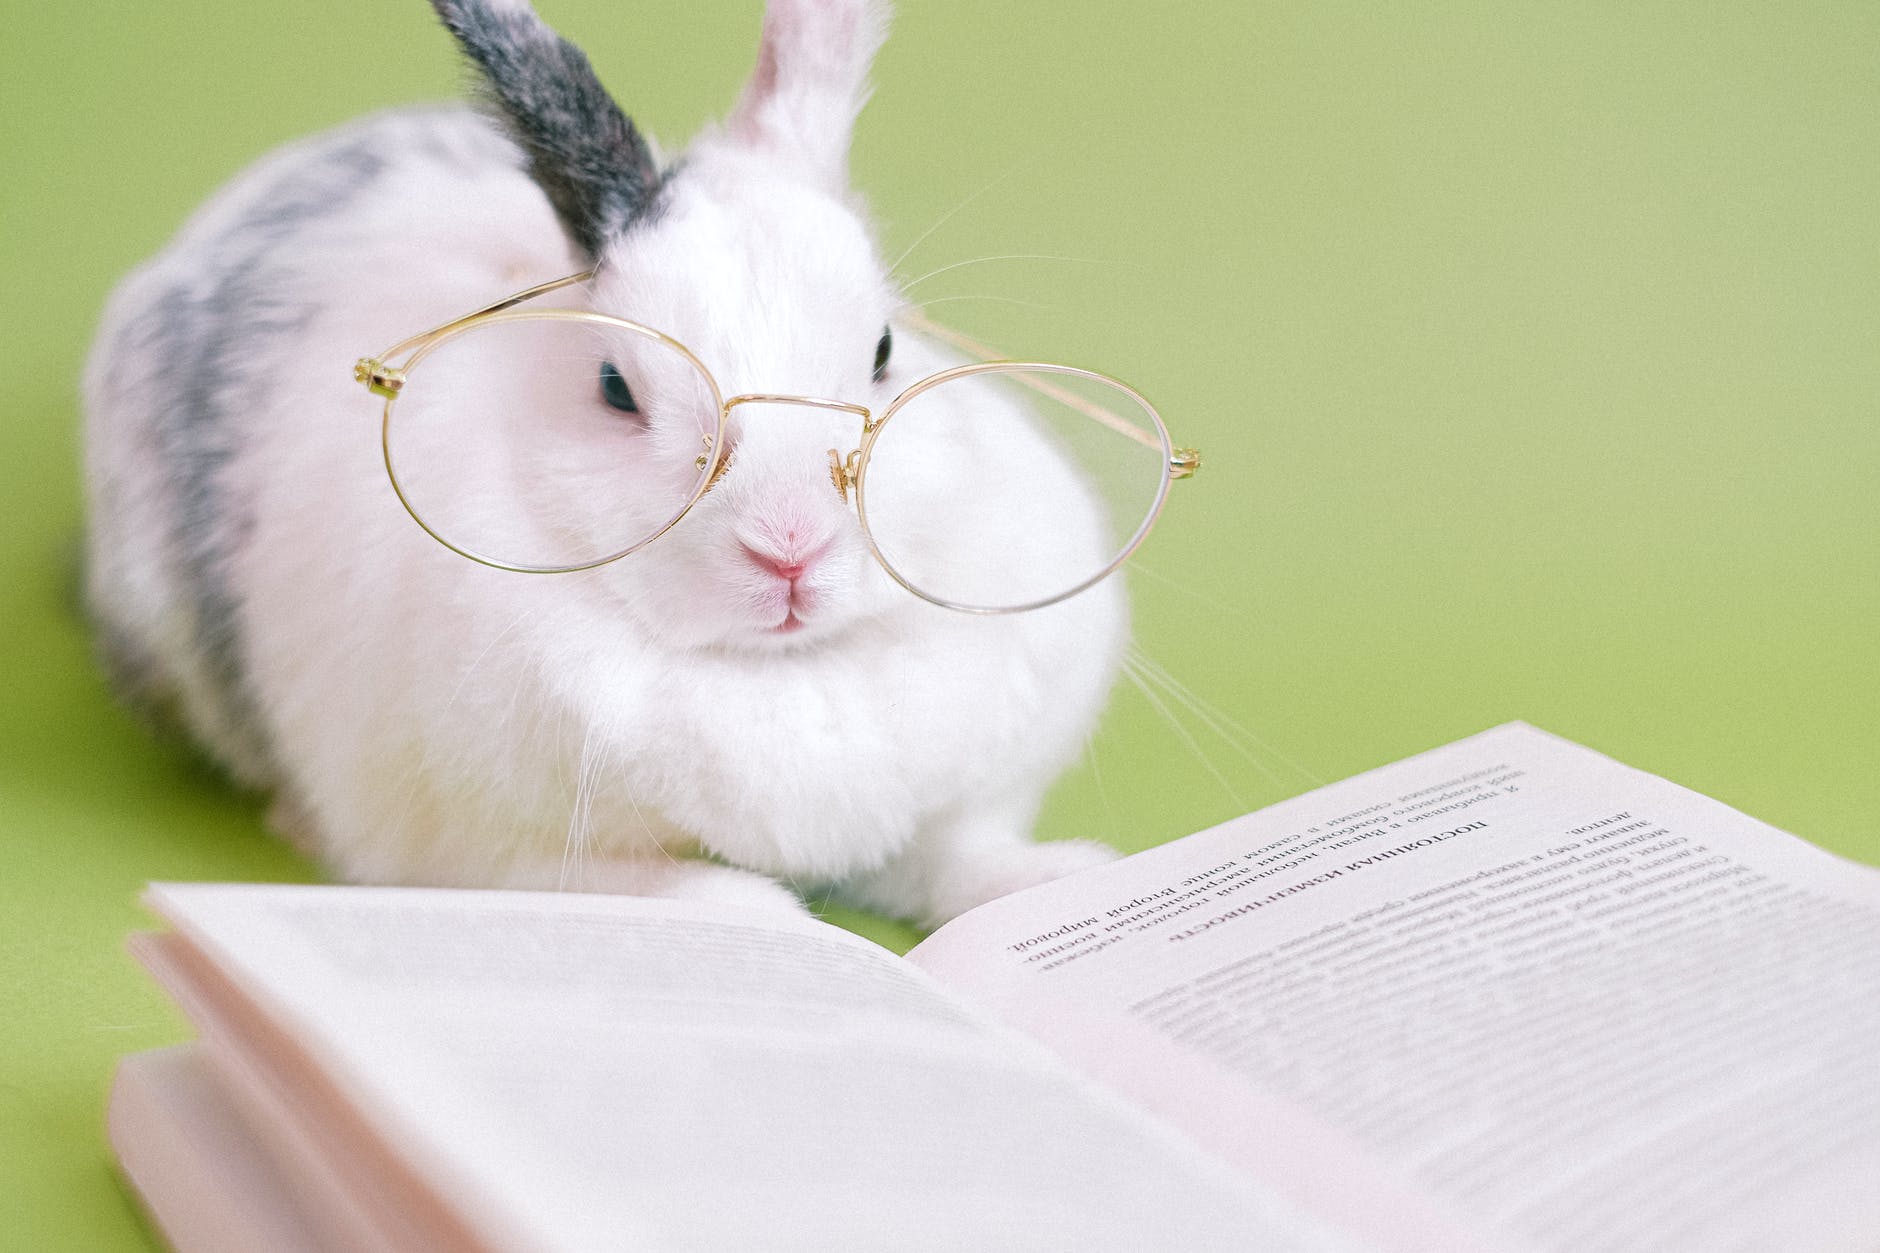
[{"x": 1532, "y": 347}]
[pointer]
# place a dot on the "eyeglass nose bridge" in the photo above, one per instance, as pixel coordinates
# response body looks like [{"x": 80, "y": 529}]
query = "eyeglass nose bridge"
[
  {"x": 804, "y": 402},
  {"x": 842, "y": 470}
]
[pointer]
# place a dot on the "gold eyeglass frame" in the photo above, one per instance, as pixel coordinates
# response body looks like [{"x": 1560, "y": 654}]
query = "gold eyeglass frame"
[{"x": 386, "y": 380}]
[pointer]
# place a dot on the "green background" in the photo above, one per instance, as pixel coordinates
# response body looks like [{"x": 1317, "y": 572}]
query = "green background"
[{"x": 1532, "y": 348}]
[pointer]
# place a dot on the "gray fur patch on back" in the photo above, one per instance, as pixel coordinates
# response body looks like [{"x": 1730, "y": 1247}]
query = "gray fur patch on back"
[
  {"x": 205, "y": 330},
  {"x": 221, "y": 311}
]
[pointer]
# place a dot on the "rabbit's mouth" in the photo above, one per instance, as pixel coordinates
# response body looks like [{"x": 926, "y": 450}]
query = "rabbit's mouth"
[
  {"x": 795, "y": 591},
  {"x": 804, "y": 627}
]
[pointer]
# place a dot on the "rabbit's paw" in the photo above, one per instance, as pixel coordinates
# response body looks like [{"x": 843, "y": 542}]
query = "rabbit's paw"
[
  {"x": 977, "y": 874},
  {"x": 679, "y": 879}
]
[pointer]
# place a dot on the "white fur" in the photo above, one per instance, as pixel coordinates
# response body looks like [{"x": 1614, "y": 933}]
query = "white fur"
[{"x": 430, "y": 720}]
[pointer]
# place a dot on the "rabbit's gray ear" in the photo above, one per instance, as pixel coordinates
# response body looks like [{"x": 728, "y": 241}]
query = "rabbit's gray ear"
[{"x": 583, "y": 151}]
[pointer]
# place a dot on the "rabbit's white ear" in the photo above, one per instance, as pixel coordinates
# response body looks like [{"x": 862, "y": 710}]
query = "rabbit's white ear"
[{"x": 810, "y": 82}]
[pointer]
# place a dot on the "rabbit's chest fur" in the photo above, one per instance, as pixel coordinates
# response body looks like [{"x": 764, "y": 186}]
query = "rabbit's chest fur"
[{"x": 813, "y": 766}]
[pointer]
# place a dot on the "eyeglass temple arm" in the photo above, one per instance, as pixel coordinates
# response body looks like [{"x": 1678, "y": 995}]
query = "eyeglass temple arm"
[
  {"x": 384, "y": 379},
  {"x": 1183, "y": 462}
]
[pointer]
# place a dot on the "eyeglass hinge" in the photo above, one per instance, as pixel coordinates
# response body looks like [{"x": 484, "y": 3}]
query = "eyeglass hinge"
[
  {"x": 842, "y": 473},
  {"x": 1183, "y": 462},
  {"x": 380, "y": 379}
]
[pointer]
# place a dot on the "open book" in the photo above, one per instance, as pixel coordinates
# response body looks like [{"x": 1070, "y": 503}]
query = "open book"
[{"x": 1508, "y": 994}]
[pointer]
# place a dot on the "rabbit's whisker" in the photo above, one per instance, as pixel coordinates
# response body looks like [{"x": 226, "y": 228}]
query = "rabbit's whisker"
[
  {"x": 1001, "y": 300},
  {"x": 470, "y": 670},
  {"x": 1182, "y": 733},
  {"x": 1136, "y": 567},
  {"x": 1234, "y": 734},
  {"x": 599, "y": 754},
  {"x": 949, "y": 215},
  {"x": 911, "y": 284},
  {"x": 1103, "y": 794}
]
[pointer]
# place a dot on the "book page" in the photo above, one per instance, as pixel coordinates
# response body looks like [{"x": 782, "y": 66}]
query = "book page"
[
  {"x": 358, "y": 1190},
  {"x": 195, "y": 1167},
  {"x": 1577, "y": 1004},
  {"x": 584, "y": 1072}
]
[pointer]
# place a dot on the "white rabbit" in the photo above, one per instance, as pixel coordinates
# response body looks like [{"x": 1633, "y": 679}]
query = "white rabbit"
[{"x": 425, "y": 719}]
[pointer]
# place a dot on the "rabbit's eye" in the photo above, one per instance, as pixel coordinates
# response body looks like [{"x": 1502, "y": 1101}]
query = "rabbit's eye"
[
  {"x": 614, "y": 389},
  {"x": 883, "y": 350}
]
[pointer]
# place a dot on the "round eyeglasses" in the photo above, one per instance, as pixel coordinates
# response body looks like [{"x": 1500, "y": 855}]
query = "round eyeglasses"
[{"x": 992, "y": 487}]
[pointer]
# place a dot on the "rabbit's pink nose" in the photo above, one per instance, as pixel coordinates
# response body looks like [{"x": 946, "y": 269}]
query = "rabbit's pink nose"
[{"x": 790, "y": 567}]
